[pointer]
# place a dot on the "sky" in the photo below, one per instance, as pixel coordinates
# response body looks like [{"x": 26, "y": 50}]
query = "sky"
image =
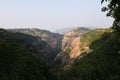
[{"x": 52, "y": 14}]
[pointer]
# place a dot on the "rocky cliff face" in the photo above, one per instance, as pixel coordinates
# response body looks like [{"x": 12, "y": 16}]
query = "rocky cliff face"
[
  {"x": 71, "y": 35},
  {"x": 80, "y": 46},
  {"x": 76, "y": 50},
  {"x": 72, "y": 52},
  {"x": 70, "y": 45}
]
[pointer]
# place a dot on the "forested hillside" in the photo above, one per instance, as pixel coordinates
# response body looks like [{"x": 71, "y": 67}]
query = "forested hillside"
[
  {"x": 53, "y": 39},
  {"x": 93, "y": 55},
  {"x": 100, "y": 64},
  {"x": 31, "y": 43},
  {"x": 81, "y": 46},
  {"x": 76, "y": 54},
  {"x": 18, "y": 60}
]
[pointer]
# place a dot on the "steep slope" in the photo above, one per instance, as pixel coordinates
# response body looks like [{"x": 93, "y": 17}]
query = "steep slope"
[
  {"x": 33, "y": 44},
  {"x": 80, "y": 46},
  {"x": 18, "y": 60},
  {"x": 102, "y": 63},
  {"x": 72, "y": 34},
  {"x": 68, "y": 38},
  {"x": 53, "y": 39}
]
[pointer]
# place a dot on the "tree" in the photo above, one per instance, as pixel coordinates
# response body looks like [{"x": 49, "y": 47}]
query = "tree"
[{"x": 113, "y": 9}]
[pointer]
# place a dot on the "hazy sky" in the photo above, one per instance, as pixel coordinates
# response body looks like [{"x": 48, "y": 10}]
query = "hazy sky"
[{"x": 52, "y": 14}]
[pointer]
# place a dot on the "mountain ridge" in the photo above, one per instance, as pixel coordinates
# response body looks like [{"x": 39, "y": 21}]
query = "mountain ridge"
[
  {"x": 53, "y": 39},
  {"x": 79, "y": 46}
]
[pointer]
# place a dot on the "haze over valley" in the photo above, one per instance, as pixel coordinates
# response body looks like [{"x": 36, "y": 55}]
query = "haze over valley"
[{"x": 52, "y": 15}]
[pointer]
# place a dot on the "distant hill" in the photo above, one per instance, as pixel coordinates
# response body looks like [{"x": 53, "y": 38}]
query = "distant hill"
[
  {"x": 64, "y": 30},
  {"x": 79, "y": 54},
  {"x": 53, "y": 39},
  {"x": 31, "y": 43},
  {"x": 24, "y": 57},
  {"x": 100, "y": 63},
  {"x": 69, "y": 36},
  {"x": 79, "y": 45}
]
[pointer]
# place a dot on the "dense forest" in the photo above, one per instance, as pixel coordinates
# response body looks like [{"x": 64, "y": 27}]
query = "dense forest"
[{"x": 18, "y": 60}]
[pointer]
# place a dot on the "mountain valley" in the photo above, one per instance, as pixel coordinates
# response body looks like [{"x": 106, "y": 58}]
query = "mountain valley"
[{"x": 75, "y": 54}]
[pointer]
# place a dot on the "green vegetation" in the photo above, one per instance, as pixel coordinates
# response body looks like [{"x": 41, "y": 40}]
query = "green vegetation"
[
  {"x": 48, "y": 38},
  {"x": 18, "y": 60},
  {"x": 67, "y": 50},
  {"x": 22, "y": 56},
  {"x": 31, "y": 43},
  {"x": 113, "y": 9},
  {"x": 20, "y": 64},
  {"x": 44, "y": 34},
  {"x": 80, "y": 29},
  {"x": 101, "y": 64},
  {"x": 93, "y": 35}
]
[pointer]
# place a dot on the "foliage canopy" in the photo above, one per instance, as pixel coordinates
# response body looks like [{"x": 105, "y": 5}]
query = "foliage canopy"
[{"x": 113, "y": 9}]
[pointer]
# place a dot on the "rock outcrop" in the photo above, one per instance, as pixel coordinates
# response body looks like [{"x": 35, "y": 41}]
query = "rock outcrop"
[
  {"x": 71, "y": 35},
  {"x": 70, "y": 46},
  {"x": 81, "y": 46}
]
